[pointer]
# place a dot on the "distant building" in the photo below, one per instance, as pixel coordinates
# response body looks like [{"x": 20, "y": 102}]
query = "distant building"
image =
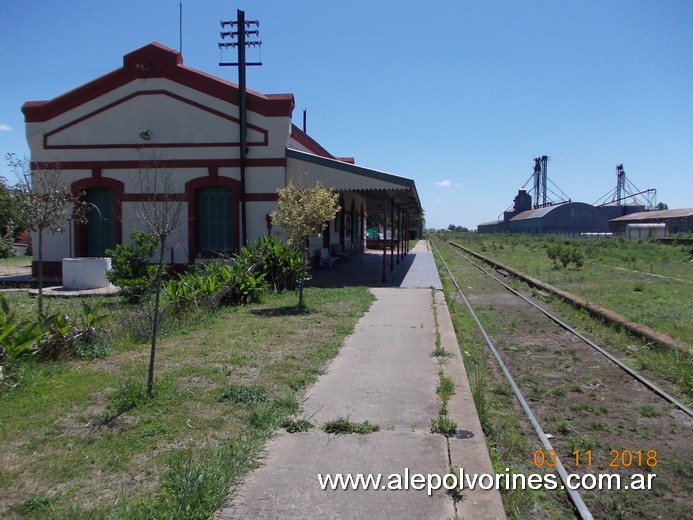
[
  {"x": 676, "y": 220},
  {"x": 568, "y": 218},
  {"x": 571, "y": 218}
]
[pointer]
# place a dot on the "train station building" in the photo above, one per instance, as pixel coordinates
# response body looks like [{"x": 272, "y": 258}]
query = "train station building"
[{"x": 158, "y": 116}]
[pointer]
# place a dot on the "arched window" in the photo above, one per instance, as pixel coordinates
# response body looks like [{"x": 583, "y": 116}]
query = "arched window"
[{"x": 214, "y": 222}]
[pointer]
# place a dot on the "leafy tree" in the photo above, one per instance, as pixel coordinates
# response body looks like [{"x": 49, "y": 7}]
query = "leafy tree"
[
  {"x": 662, "y": 206},
  {"x": 43, "y": 201},
  {"x": 301, "y": 213}
]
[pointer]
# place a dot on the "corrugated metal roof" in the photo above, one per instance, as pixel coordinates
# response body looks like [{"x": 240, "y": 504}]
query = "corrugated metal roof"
[
  {"x": 535, "y": 213},
  {"x": 490, "y": 223},
  {"x": 342, "y": 176},
  {"x": 664, "y": 213}
]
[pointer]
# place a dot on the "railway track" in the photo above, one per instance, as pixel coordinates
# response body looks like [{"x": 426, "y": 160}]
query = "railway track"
[{"x": 591, "y": 412}]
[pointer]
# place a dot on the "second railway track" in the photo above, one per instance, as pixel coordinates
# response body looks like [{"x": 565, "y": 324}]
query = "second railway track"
[{"x": 600, "y": 418}]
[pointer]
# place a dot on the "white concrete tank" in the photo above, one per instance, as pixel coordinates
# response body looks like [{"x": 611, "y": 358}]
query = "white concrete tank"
[{"x": 85, "y": 273}]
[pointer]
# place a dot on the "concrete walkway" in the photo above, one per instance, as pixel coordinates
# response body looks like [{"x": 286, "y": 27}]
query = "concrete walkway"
[{"x": 384, "y": 374}]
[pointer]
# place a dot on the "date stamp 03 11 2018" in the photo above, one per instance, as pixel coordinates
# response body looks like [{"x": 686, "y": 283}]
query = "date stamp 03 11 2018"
[{"x": 618, "y": 458}]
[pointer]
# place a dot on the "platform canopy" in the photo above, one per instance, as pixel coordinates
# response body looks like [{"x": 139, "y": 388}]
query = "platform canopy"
[{"x": 376, "y": 186}]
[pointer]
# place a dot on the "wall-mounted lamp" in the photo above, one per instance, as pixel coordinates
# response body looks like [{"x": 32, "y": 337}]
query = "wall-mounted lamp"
[{"x": 146, "y": 135}]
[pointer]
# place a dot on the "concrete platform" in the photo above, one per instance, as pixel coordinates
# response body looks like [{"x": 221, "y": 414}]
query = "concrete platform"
[
  {"x": 385, "y": 373},
  {"x": 415, "y": 269}
]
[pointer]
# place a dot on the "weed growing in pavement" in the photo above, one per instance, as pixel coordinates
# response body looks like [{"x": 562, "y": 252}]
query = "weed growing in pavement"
[
  {"x": 343, "y": 426},
  {"x": 438, "y": 351},
  {"x": 444, "y": 426},
  {"x": 297, "y": 425},
  {"x": 446, "y": 387}
]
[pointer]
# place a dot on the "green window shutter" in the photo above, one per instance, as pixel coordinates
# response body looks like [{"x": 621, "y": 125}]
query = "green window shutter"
[
  {"x": 101, "y": 220},
  {"x": 214, "y": 220}
]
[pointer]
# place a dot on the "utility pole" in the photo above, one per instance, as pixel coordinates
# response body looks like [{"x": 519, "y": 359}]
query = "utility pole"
[{"x": 240, "y": 34}]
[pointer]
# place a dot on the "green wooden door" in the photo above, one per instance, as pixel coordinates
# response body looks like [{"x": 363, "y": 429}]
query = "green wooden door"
[
  {"x": 214, "y": 234},
  {"x": 101, "y": 220}
]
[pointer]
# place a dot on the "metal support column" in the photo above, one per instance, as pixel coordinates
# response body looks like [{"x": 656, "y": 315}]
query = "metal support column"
[{"x": 384, "y": 279}]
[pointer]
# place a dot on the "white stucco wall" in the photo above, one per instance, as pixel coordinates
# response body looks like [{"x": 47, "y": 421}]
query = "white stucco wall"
[{"x": 118, "y": 117}]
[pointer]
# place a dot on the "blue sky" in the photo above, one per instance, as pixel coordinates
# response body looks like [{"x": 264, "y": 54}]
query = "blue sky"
[{"x": 457, "y": 95}]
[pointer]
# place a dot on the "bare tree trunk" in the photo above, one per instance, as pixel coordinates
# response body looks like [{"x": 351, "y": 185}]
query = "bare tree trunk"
[
  {"x": 40, "y": 271},
  {"x": 301, "y": 281},
  {"x": 155, "y": 321}
]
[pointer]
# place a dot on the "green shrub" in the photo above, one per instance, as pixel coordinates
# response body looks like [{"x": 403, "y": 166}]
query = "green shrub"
[
  {"x": 217, "y": 283},
  {"x": 17, "y": 338},
  {"x": 6, "y": 245},
  {"x": 577, "y": 257},
  {"x": 92, "y": 343},
  {"x": 282, "y": 265},
  {"x": 565, "y": 254},
  {"x": 130, "y": 267}
]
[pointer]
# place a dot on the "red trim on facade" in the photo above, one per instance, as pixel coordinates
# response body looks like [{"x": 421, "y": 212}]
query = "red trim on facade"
[
  {"x": 97, "y": 181},
  {"x": 261, "y": 197},
  {"x": 191, "y": 188},
  {"x": 157, "y": 61},
  {"x": 140, "y": 144},
  {"x": 173, "y": 163},
  {"x": 153, "y": 197},
  {"x": 305, "y": 140}
]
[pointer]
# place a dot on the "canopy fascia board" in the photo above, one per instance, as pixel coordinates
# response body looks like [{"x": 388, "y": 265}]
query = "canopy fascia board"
[{"x": 343, "y": 176}]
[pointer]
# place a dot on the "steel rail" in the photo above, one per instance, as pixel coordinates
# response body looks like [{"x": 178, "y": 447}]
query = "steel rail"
[
  {"x": 636, "y": 375},
  {"x": 575, "y": 497}
]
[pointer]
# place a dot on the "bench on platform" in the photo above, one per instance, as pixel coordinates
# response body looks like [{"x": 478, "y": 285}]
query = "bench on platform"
[{"x": 326, "y": 259}]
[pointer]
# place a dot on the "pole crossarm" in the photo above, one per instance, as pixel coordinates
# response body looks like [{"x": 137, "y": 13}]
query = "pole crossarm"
[{"x": 242, "y": 31}]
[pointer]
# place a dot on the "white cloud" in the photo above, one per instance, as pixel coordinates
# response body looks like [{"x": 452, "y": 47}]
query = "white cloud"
[
  {"x": 444, "y": 183},
  {"x": 5, "y": 127}
]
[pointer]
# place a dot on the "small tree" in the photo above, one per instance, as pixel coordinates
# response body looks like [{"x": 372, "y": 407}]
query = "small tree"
[
  {"x": 159, "y": 212},
  {"x": 43, "y": 201},
  {"x": 301, "y": 213}
]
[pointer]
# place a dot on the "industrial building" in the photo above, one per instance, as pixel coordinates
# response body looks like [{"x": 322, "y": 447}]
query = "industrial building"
[
  {"x": 675, "y": 221},
  {"x": 623, "y": 206}
]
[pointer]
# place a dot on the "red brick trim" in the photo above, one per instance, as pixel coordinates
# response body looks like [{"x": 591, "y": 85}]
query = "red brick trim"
[
  {"x": 157, "y": 61},
  {"x": 141, "y": 144},
  {"x": 172, "y": 163}
]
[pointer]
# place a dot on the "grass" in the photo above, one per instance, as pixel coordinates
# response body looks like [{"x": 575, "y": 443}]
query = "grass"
[
  {"x": 584, "y": 424},
  {"x": 648, "y": 282},
  {"x": 83, "y": 440}
]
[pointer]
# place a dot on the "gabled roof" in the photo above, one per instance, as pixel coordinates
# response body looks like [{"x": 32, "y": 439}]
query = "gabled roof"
[
  {"x": 303, "y": 139},
  {"x": 664, "y": 213},
  {"x": 157, "y": 61},
  {"x": 308, "y": 142}
]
